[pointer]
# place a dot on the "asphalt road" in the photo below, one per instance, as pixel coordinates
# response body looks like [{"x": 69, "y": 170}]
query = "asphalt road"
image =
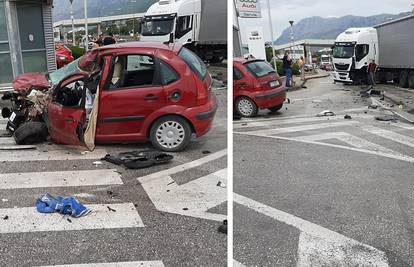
[
  {"x": 155, "y": 223},
  {"x": 324, "y": 191}
]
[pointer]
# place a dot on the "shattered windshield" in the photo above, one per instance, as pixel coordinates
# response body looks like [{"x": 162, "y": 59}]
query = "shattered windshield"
[
  {"x": 58, "y": 75},
  {"x": 157, "y": 27},
  {"x": 343, "y": 51}
]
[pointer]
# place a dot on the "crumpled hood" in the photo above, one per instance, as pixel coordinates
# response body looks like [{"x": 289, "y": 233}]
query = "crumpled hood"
[{"x": 25, "y": 82}]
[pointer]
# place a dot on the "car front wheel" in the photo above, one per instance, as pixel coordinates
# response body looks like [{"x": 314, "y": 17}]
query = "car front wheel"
[
  {"x": 245, "y": 107},
  {"x": 170, "y": 134}
]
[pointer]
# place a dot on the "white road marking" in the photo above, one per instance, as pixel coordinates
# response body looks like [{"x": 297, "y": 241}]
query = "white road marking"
[
  {"x": 396, "y": 137},
  {"x": 115, "y": 264},
  {"x": 59, "y": 179},
  {"x": 7, "y": 141},
  {"x": 17, "y": 147},
  {"x": 319, "y": 246},
  {"x": 27, "y": 219},
  {"x": 351, "y": 140},
  {"x": 185, "y": 166},
  {"x": 300, "y": 128},
  {"x": 57, "y": 154},
  {"x": 191, "y": 199},
  {"x": 376, "y": 153},
  {"x": 238, "y": 264}
]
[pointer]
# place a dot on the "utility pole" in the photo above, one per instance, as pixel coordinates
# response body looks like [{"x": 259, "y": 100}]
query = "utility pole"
[
  {"x": 292, "y": 39},
  {"x": 73, "y": 23},
  {"x": 85, "y": 6},
  {"x": 271, "y": 35}
]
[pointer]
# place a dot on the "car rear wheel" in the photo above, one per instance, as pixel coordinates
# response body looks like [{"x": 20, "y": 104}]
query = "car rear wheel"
[
  {"x": 245, "y": 107},
  {"x": 31, "y": 132},
  {"x": 277, "y": 108},
  {"x": 170, "y": 133}
]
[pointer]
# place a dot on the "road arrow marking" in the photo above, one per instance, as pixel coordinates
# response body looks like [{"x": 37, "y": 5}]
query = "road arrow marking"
[
  {"x": 193, "y": 199},
  {"x": 319, "y": 246}
]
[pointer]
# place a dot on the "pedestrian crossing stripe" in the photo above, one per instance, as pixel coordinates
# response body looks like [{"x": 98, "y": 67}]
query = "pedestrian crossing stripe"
[
  {"x": 115, "y": 264},
  {"x": 59, "y": 179},
  {"x": 54, "y": 154},
  {"x": 103, "y": 216},
  {"x": 7, "y": 141},
  {"x": 393, "y": 136}
]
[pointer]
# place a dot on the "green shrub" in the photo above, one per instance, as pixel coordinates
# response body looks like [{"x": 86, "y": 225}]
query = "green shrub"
[
  {"x": 77, "y": 51},
  {"x": 295, "y": 69}
]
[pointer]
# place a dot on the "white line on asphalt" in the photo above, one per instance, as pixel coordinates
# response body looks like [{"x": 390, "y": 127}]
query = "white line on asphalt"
[
  {"x": 301, "y": 128},
  {"x": 185, "y": 166},
  {"x": 58, "y": 154},
  {"x": 114, "y": 264},
  {"x": 396, "y": 137},
  {"x": 191, "y": 199},
  {"x": 376, "y": 153},
  {"x": 7, "y": 141},
  {"x": 319, "y": 246},
  {"x": 17, "y": 147},
  {"x": 238, "y": 264},
  {"x": 351, "y": 140},
  {"x": 27, "y": 219},
  {"x": 59, "y": 179}
]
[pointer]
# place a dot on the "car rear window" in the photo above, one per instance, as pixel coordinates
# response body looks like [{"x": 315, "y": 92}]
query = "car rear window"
[
  {"x": 194, "y": 62},
  {"x": 259, "y": 68}
]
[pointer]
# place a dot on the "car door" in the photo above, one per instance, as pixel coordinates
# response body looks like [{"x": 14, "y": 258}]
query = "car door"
[
  {"x": 240, "y": 82},
  {"x": 132, "y": 91},
  {"x": 66, "y": 116}
]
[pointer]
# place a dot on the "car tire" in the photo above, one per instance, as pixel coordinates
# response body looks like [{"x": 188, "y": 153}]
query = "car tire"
[
  {"x": 277, "y": 108},
  {"x": 246, "y": 107},
  {"x": 31, "y": 132},
  {"x": 170, "y": 134}
]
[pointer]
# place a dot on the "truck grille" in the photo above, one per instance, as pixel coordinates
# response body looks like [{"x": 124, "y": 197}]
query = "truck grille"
[{"x": 342, "y": 67}]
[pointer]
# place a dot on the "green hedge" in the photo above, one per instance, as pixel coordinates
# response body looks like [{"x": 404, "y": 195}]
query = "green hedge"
[
  {"x": 77, "y": 51},
  {"x": 281, "y": 71}
]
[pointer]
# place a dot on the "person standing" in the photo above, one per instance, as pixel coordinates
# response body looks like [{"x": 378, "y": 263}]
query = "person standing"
[
  {"x": 372, "y": 68},
  {"x": 302, "y": 68},
  {"x": 287, "y": 63}
]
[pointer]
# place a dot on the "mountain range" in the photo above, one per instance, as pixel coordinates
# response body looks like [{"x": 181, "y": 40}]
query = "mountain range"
[
  {"x": 99, "y": 8},
  {"x": 330, "y": 28}
]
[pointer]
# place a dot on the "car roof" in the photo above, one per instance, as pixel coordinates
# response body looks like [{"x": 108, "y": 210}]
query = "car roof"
[
  {"x": 244, "y": 61},
  {"x": 136, "y": 44}
]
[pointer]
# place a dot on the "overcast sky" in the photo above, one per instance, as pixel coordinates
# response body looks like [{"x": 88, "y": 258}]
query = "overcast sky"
[{"x": 283, "y": 11}]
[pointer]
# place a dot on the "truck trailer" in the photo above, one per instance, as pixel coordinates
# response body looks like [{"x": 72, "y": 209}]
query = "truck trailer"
[
  {"x": 390, "y": 44},
  {"x": 200, "y": 25}
]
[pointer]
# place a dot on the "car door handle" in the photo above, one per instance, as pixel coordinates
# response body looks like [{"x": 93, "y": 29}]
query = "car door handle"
[
  {"x": 151, "y": 97},
  {"x": 243, "y": 85}
]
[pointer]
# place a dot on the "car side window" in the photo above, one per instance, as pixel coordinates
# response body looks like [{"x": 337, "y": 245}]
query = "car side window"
[
  {"x": 184, "y": 25},
  {"x": 237, "y": 74},
  {"x": 132, "y": 71},
  {"x": 168, "y": 74}
]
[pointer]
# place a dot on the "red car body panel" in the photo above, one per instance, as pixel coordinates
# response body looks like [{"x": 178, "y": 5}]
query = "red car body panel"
[
  {"x": 258, "y": 89},
  {"x": 63, "y": 56},
  {"x": 25, "y": 82},
  {"x": 127, "y": 114}
]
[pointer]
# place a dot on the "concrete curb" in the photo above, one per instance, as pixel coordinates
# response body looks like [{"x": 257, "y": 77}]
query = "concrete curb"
[
  {"x": 402, "y": 114},
  {"x": 298, "y": 87}
]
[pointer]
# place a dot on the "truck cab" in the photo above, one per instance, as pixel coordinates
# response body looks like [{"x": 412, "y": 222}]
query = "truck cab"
[
  {"x": 167, "y": 17},
  {"x": 352, "y": 52}
]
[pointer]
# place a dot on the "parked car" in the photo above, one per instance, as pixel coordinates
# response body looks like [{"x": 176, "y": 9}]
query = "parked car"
[
  {"x": 146, "y": 91},
  {"x": 63, "y": 55},
  {"x": 256, "y": 85}
]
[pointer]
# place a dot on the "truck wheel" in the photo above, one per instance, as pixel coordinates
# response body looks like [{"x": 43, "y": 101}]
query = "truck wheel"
[
  {"x": 170, "y": 134},
  {"x": 245, "y": 107},
  {"x": 277, "y": 108},
  {"x": 31, "y": 132},
  {"x": 411, "y": 79},
  {"x": 403, "y": 78}
]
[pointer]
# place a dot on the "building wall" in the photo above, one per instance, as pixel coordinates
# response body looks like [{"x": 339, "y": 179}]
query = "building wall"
[{"x": 28, "y": 24}]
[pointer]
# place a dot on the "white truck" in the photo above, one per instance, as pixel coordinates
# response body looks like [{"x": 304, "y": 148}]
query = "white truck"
[
  {"x": 200, "y": 25},
  {"x": 391, "y": 46}
]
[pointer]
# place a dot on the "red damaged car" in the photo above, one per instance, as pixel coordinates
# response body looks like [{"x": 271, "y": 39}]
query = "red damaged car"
[
  {"x": 145, "y": 91},
  {"x": 256, "y": 85}
]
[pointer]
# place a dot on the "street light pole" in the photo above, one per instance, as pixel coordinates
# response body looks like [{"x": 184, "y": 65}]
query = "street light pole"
[
  {"x": 85, "y": 7},
  {"x": 73, "y": 23},
  {"x": 292, "y": 39},
  {"x": 271, "y": 35}
]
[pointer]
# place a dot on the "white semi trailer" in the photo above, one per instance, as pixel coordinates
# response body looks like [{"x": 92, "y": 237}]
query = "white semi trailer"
[
  {"x": 390, "y": 44},
  {"x": 200, "y": 25}
]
